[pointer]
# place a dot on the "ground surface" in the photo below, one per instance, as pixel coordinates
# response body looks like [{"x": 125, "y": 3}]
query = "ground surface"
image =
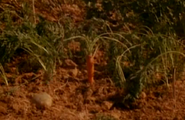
[{"x": 75, "y": 99}]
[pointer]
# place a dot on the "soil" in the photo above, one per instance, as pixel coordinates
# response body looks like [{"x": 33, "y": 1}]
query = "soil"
[
  {"x": 74, "y": 99},
  {"x": 72, "y": 96}
]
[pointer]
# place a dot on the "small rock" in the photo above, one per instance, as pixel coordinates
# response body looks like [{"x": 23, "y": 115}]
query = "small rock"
[
  {"x": 143, "y": 95},
  {"x": 42, "y": 100},
  {"x": 70, "y": 63},
  {"x": 108, "y": 104},
  {"x": 73, "y": 72}
]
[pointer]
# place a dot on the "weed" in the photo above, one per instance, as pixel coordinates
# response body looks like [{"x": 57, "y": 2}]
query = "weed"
[
  {"x": 3, "y": 75},
  {"x": 147, "y": 57}
]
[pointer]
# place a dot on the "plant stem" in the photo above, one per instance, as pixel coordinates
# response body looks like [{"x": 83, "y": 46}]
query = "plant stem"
[
  {"x": 174, "y": 79},
  {"x": 33, "y": 7}
]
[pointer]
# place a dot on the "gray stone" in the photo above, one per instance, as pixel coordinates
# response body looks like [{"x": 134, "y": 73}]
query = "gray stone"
[{"x": 42, "y": 100}]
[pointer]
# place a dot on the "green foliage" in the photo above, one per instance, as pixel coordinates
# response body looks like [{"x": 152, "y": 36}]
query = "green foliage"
[
  {"x": 160, "y": 15},
  {"x": 150, "y": 59},
  {"x": 42, "y": 41},
  {"x": 3, "y": 75}
]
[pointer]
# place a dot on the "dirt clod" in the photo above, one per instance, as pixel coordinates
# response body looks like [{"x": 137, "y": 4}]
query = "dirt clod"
[
  {"x": 107, "y": 104},
  {"x": 42, "y": 100},
  {"x": 3, "y": 108}
]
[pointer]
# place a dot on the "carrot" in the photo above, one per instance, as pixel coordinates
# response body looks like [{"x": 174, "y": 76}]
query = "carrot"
[{"x": 90, "y": 68}]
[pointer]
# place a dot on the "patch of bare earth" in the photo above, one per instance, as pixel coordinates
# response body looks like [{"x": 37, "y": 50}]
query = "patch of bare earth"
[{"x": 74, "y": 99}]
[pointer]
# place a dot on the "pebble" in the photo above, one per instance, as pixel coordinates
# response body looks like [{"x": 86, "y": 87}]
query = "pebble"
[{"x": 42, "y": 100}]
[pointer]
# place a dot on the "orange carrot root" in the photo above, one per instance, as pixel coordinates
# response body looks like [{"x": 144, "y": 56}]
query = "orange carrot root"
[{"x": 90, "y": 68}]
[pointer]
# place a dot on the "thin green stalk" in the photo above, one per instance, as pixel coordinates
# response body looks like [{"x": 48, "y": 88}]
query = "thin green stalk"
[
  {"x": 3, "y": 75},
  {"x": 175, "y": 52}
]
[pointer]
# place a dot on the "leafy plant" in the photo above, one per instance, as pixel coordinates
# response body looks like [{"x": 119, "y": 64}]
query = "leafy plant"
[
  {"x": 95, "y": 38},
  {"x": 159, "y": 15},
  {"x": 42, "y": 41},
  {"x": 150, "y": 59}
]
